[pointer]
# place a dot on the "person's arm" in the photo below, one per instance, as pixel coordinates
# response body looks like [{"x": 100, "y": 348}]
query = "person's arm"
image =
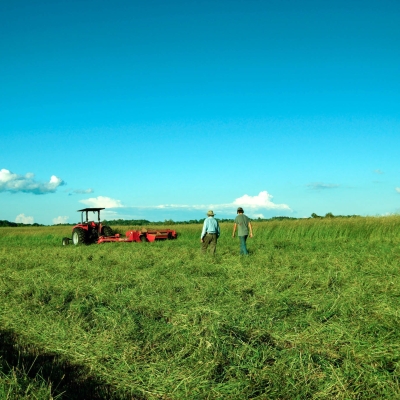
[
  {"x": 250, "y": 229},
  {"x": 203, "y": 232},
  {"x": 234, "y": 229}
]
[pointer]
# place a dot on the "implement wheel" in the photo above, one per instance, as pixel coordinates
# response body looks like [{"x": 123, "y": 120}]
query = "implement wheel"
[
  {"x": 65, "y": 241},
  {"x": 79, "y": 236},
  {"x": 107, "y": 231}
]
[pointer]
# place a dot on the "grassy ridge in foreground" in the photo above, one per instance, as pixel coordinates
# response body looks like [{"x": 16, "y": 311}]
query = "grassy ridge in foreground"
[{"x": 313, "y": 313}]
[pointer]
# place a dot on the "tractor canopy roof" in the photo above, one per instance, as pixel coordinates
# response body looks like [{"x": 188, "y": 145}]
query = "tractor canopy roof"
[{"x": 92, "y": 209}]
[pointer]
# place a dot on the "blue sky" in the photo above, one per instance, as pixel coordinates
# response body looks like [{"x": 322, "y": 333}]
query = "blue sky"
[{"x": 163, "y": 110}]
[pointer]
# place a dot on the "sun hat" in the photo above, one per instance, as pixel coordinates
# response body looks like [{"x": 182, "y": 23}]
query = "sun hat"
[
  {"x": 210, "y": 213},
  {"x": 240, "y": 209}
]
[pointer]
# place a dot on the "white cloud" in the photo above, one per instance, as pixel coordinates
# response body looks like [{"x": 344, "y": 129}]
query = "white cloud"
[
  {"x": 258, "y": 203},
  {"x": 398, "y": 189},
  {"x": 26, "y": 183},
  {"x": 55, "y": 181},
  {"x": 254, "y": 206},
  {"x": 262, "y": 201},
  {"x": 378, "y": 171},
  {"x": 102, "y": 201},
  {"x": 23, "y": 219},
  {"x": 321, "y": 185},
  {"x": 258, "y": 216},
  {"x": 60, "y": 220}
]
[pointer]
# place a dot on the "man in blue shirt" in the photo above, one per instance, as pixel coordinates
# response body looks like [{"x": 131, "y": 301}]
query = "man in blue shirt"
[{"x": 210, "y": 233}]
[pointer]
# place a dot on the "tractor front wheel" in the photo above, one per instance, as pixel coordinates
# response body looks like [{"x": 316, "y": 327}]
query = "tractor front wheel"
[
  {"x": 107, "y": 231},
  {"x": 78, "y": 236}
]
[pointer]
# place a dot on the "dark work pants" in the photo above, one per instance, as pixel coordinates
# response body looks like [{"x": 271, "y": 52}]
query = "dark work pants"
[{"x": 209, "y": 240}]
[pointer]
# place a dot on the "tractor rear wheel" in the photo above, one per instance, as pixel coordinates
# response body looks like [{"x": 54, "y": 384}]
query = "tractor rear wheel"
[
  {"x": 107, "y": 231},
  {"x": 79, "y": 236}
]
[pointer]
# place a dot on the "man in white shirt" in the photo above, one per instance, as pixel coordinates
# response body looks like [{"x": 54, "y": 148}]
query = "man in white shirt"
[{"x": 210, "y": 233}]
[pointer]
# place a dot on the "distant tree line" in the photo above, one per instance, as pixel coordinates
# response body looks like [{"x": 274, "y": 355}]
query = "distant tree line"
[
  {"x": 125, "y": 222},
  {"x": 330, "y": 215},
  {"x": 16, "y": 224},
  {"x": 143, "y": 222}
]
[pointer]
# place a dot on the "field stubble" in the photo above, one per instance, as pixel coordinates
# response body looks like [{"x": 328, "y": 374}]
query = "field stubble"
[{"x": 313, "y": 312}]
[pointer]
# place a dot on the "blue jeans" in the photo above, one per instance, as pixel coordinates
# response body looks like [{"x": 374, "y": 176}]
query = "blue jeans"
[{"x": 243, "y": 248}]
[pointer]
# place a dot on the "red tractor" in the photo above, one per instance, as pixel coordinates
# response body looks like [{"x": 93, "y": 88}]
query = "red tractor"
[{"x": 88, "y": 232}]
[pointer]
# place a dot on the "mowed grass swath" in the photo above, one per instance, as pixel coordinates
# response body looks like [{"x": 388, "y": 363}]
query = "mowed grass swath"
[{"x": 313, "y": 312}]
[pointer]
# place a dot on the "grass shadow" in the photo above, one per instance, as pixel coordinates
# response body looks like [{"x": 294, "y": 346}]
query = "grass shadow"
[{"x": 67, "y": 381}]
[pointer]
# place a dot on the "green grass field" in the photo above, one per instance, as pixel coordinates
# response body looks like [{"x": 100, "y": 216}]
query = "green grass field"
[{"x": 312, "y": 313}]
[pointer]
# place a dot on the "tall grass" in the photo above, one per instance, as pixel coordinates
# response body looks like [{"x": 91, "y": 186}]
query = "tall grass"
[
  {"x": 16, "y": 384},
  {"x": 311, "y": 313}
]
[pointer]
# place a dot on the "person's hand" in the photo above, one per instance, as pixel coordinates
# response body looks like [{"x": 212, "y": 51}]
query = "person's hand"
[
  {"x": 251, "y": 234},
  {"x": 201, "y": 240},
  {"x": 233, "y": 235}
]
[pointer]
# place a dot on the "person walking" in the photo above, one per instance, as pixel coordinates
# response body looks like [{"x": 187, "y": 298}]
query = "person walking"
[
  {"x": 210, "y": 233},
  {"x": 242, "y": 222}
]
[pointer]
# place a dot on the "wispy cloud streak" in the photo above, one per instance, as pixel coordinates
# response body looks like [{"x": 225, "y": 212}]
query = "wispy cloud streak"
[
  {"x": 321, "y": 185},
  {"x": 83, "y": 191}
]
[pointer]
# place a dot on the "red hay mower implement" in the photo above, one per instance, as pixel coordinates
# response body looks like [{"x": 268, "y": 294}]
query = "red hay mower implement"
[{"x": 89, "y": 232}]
